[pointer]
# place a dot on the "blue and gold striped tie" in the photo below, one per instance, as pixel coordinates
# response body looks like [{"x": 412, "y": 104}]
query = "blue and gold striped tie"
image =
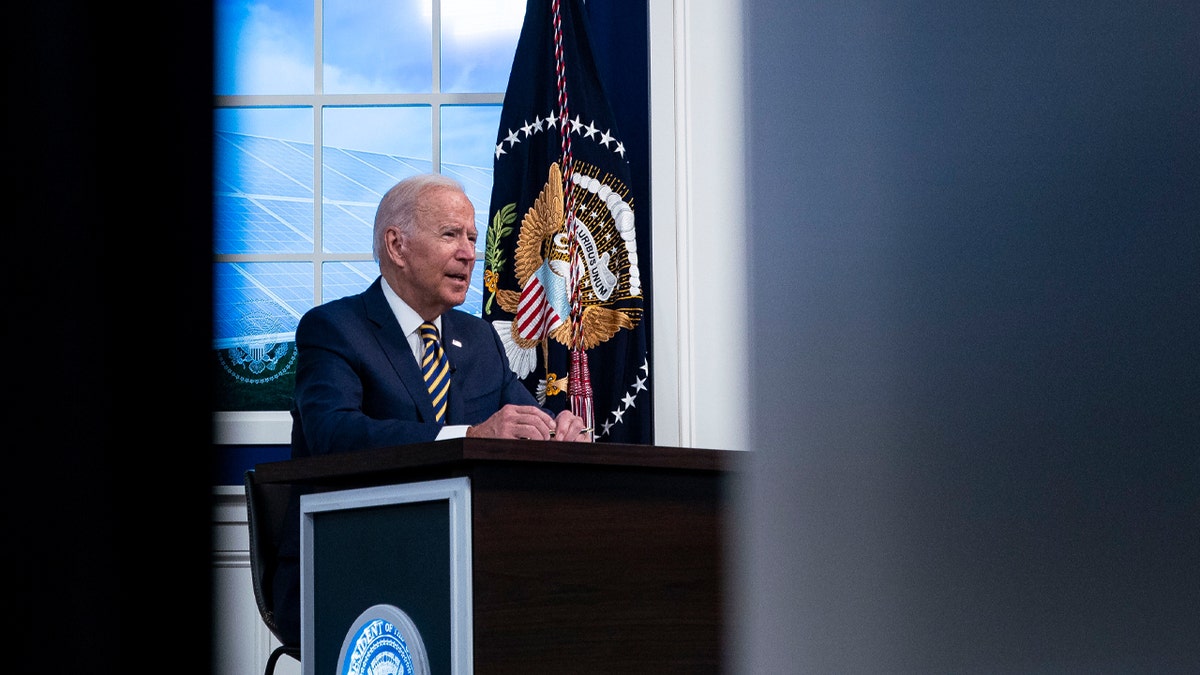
[{"x": 436, "y": 369}]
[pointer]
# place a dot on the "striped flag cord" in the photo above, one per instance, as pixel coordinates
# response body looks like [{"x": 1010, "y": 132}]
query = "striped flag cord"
[{"x": 580, "y": 383}]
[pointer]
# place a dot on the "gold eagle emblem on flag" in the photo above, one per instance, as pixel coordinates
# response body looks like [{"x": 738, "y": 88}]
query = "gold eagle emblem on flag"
[{"x": 608, "y": 275}]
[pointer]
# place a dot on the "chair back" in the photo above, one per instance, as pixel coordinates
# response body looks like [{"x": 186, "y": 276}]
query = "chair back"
[{"x": 266, "y": 515}]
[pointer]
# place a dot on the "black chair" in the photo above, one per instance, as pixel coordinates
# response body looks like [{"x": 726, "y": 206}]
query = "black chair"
[{"x": 266, "y": 506}]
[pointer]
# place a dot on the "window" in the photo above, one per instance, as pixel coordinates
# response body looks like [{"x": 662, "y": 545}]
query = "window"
[{"x": 320, "y": 107}]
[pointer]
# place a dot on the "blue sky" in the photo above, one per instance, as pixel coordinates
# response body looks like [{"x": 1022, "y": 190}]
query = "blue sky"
[{"x": 266, "y": 47}]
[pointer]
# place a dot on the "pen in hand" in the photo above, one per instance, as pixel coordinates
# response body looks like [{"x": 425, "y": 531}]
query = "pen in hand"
[{"x": 585, "y": 430}]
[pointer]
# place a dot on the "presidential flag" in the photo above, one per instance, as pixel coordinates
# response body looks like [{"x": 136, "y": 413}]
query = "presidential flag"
[{"x": 562, "y": 286}]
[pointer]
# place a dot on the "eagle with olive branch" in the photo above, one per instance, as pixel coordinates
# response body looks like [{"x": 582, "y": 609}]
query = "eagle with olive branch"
[{"x": 543, "y": 256}]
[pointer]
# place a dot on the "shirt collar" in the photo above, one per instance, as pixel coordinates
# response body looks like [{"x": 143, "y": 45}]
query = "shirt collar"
[{"x": 406, "y": 316}]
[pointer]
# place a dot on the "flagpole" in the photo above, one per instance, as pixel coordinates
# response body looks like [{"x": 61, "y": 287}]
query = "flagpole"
[{"x": 579, "y": 384}]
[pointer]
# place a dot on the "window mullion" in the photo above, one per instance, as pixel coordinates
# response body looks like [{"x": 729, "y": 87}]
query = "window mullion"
[
  {"x": 435, "y": 103},
  {"x": 318, "y": 261}
]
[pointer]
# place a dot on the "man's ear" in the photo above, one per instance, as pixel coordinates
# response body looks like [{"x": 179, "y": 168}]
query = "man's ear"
[{"x": 393, "y": 246}]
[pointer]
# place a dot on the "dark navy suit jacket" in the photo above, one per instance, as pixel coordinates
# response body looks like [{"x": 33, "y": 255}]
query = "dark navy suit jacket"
[{"x": 359, "y": 387}]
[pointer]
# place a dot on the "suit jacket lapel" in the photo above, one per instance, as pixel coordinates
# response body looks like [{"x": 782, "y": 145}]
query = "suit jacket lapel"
[{"x": 394, "y": 344}]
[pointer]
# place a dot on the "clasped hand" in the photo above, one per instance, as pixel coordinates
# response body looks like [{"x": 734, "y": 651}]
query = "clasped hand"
[{"x": 532, "y": 423}]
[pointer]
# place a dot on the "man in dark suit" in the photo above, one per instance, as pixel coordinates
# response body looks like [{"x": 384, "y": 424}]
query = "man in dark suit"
[{"x": 359, "y": 381}]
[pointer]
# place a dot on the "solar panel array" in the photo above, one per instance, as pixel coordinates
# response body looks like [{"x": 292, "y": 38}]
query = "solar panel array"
[{"x": 263, "y": 206}]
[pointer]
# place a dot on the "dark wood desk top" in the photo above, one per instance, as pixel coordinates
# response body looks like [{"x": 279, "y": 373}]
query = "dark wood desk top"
[{"x": 462, "y": 451}]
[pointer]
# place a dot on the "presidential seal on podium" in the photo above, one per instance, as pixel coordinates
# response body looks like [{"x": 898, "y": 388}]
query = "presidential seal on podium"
[{"x": 383, "y": 640}]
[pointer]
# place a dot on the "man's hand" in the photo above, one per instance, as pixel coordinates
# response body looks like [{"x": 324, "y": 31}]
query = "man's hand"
[
  {"x": 528, "y": 422},
  {"x": 569, "y": 427},
  {"x": 515, "y": 421}
]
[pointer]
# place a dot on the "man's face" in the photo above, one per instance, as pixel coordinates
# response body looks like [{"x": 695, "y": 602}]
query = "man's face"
[{"x": 439, "y": 256}]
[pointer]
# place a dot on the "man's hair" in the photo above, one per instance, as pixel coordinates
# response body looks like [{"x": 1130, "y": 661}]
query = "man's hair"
[{"x": 399, "y": 206}]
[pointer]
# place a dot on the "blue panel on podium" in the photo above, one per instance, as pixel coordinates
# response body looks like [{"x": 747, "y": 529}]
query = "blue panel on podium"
[{"x": 405, "y": 545}]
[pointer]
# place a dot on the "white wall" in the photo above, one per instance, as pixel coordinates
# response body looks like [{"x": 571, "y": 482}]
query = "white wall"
[{"x": 699, "y": 226}]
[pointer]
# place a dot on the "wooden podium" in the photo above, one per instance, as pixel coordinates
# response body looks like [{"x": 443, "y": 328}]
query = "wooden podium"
[{"x": 570, "y": 557}]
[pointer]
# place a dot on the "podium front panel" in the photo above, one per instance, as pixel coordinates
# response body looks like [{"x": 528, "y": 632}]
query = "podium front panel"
[{"x": 405, "y": 545}]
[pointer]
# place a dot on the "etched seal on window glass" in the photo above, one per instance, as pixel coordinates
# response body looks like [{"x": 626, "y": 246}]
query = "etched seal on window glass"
[{"x": 264, "y": 351}]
